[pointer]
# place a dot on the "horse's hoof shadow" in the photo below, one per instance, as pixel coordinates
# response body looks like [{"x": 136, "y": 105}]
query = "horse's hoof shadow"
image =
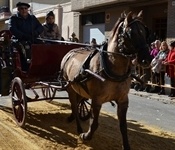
[{"x": 70, "y": 118}]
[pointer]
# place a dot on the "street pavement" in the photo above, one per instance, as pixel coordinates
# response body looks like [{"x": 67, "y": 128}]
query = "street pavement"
[{"x": 147, "y": 108}]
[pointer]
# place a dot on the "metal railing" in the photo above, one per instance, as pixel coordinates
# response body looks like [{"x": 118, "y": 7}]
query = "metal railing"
[{"x": 148, "y": 76}]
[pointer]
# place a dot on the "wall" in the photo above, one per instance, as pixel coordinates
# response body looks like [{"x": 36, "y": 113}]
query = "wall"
[
  {"x": 53, "y": 2},
  {"x": 114, "y": 15},
  {"x": 3, "y": 3},
  {"x": 85, "y": 4},
  {"x": 67, "y": 21},
  {"x": 171, "y": 20}
]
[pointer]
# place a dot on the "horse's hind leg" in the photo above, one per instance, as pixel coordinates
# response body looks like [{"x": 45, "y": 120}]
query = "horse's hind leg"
[
  {"x": 95, "y": 110},
  {"x": 121, "y": 112}
]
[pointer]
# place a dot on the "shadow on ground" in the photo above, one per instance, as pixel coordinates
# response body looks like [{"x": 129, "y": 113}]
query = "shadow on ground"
[{"x": 53, "y": 127}]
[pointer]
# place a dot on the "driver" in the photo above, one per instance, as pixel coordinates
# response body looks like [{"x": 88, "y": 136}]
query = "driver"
[
  {"x": 23, "y": 25},
  {"x": 25, "y": 28}
]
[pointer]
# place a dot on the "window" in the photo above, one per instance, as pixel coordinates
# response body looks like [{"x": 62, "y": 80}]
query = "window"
[
  {"x": 91, "y": 19},
  {"x": 160, "y": 28}
]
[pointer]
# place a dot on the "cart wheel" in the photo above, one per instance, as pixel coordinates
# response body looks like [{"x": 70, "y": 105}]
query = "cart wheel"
[
  {"x": 48, "y": 93},
  {"x": 19, "y": 102},
  {"x": 84, "y": 110}
]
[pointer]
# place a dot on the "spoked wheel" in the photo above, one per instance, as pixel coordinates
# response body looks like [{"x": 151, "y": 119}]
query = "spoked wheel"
[
  {"x": 48, "y": 93},
  {"x": 84, "y": 110},
  {"x": 19, "y": 102}
]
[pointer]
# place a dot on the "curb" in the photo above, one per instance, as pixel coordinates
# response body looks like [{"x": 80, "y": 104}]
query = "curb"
[{"x": 154, "y": 96}]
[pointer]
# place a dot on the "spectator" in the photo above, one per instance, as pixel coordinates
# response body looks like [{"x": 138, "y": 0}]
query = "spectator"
[
  {"x": 152, "y": 46},
  {"x": 170, "y": 61},
  {"x": 157, "y": 67},
  {"x": 153, "y": 54},
  {"x": 51, "y": 30},
  {"x": 94, "y": 43},
  {"x": 155, "y": 49},
  {"x": 74, "y": 38}
]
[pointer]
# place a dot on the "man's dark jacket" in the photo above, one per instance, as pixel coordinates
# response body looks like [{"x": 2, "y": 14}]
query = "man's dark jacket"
[{"x": 27, "y": 29}]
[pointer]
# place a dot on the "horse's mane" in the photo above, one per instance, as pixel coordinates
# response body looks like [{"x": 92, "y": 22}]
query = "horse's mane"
[
  {"x": 113, "y": 31},
  {"x": 122, "y": 18}
]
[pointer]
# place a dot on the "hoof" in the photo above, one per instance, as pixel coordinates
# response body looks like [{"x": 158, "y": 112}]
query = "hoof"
[{"x": 84, "y": 137}]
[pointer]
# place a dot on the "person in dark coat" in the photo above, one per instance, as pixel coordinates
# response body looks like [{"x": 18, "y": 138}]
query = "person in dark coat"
[
  {"x": 23, "y": 26},
  {"x": 26, "y": 29}
]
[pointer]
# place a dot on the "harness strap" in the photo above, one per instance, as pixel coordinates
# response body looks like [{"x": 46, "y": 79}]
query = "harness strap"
[
  {"x": 88, "y": 59},
  {"x": 109, "y": 73}
]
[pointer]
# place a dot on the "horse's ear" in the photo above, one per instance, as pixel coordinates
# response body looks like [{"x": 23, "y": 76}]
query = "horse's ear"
[
  {"x": 128, "y": 19},
  {"x": 123, "y": 14},
  {"x": 140, "y": 14}
]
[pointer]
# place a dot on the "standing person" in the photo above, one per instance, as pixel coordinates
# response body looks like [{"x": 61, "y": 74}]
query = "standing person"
[
  {"x": 74, "y": 38},
  {"x": 26, "y": 29},
  {"x": 158, "y": 68},
  {"x": 155, "y": 49},
  {"x": 94, "y": 43},
  {"x": 23, "y": 26},
  {"x": 51, "y": 30},
  {"x": 170, "y": 61},
  {"x": 153, "y": 54}
]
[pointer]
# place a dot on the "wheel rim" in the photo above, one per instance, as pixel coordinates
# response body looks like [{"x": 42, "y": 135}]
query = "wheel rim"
[
  {"x": 84, "y": 110},
  {"x": 19, "y": 104}
]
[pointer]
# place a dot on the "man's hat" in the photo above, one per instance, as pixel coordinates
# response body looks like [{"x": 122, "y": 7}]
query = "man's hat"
[{"x": 19, "y": 4}]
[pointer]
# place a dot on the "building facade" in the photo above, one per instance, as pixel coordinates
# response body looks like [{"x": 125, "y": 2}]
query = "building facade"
[
  {"x": 62, "y": 10},
  {"x": 96, "y": 18},
  {"x": 4, "y": 13}
]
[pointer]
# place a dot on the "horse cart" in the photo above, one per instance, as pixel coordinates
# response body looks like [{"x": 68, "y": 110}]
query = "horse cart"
[{"x": 42, "y": 74}]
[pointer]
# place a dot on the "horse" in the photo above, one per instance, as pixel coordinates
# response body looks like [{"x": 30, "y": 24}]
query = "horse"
[{"x": 105, "y": 75}]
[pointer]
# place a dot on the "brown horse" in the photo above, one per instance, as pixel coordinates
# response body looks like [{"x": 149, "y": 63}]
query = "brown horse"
[{"x": 103, "y": 76}]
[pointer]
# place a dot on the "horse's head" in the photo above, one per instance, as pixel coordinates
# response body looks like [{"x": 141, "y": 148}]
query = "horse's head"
[{"x": 130, "y": 36}]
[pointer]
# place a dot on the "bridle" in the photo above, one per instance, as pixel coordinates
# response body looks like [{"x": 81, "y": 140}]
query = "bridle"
[{"x": 125, "y": 45}]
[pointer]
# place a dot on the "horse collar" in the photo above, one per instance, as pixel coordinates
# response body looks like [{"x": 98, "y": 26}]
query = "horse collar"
[{"x": 109, "y": 73}]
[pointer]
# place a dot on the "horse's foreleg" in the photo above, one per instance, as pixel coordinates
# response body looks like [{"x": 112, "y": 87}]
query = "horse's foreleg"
[
  {"x": 74, "y": 98},
  {"x": 121, "y": 112},
  {"x": 95, "y": 110}
]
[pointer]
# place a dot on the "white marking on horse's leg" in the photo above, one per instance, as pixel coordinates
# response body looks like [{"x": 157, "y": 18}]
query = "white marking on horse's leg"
[{"x": 95, "y": 111}]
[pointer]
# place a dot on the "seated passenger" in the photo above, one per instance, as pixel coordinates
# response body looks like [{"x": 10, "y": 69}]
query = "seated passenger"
[
  {"x": 24, "y": 27},
  {"x": 51, "y": 30}
]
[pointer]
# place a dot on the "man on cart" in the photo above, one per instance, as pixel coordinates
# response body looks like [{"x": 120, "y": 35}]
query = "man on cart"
[{"x": 25, "y": 28}]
